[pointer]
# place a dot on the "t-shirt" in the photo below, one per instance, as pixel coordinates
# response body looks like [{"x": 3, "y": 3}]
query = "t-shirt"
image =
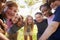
[
  {"x": 50, "y": 19},
  {"x": 29, "y": 28},
  {"x": 56, "y": 34},
  {"x": 57, "y": 15},
  {"x": 41, "y": 26},
  {"x": 14, "y": 29}
]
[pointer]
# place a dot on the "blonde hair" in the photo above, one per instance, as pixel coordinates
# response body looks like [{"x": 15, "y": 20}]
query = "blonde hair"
[{"x": 26, "y": 23}]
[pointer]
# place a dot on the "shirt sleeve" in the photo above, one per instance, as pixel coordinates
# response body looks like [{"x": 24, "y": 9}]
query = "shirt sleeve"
[{"x": 57, "y": 15}]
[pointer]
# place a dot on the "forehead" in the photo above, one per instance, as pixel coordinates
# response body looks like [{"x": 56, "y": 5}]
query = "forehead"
[
  {"x": 38, "y": 15},
  {"x": 29, "y": 17},
  {"x": 44, "y": 8},
  {"x": 13, "y": 7}
]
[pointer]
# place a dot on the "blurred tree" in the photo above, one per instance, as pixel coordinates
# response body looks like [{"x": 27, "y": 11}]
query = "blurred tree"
[
  {"x": 44, "y": 1},
  {"x": 31, "y": 2}
]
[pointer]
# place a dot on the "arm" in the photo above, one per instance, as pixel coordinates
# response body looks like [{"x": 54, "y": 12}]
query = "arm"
[
  {"x": 49, "y": 31},
  {"x": 1, "y": 31},
  {"x": 3, "y": 37}
]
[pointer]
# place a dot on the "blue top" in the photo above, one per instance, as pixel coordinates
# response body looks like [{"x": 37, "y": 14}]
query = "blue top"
[
  {"x": 56, "y": 34},
  {"x": 57, "y": 15}
]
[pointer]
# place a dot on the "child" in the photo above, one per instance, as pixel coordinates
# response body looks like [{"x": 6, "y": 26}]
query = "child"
[
  {"x": 13, "y": 30},
  {"x": 46, "y": 11},
  {"x": 41, "y": 24},
  {"x": 9, "y": 12},
  {"x": 53, "y": 31},
  {"x": 28, "y": 28}
]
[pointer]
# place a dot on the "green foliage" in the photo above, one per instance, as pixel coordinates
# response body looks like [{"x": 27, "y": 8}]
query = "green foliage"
[{"x": 31, "y": 2}]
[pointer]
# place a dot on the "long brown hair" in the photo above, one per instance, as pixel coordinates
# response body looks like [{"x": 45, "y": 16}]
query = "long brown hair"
[{"x": 26, "y": 23}]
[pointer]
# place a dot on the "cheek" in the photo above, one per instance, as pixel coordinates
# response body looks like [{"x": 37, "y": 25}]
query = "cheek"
[
  {"x": 45, "y": 13},
  {"x": 38, "y": 19},
  {"x": 9, "y": 12},
  {"x": 16, "y": 19}
]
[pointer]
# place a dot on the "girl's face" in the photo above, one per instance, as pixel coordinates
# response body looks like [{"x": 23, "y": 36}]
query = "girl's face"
[
  {"x": 30, "y": 20},
  {"x": 45, "y": 11},
  {"x": 15, "y": 19},
  {"x": 10, "y": 13}
]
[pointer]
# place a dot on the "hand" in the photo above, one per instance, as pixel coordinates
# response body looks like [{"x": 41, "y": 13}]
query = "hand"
[{"x": 5, "y": 26}]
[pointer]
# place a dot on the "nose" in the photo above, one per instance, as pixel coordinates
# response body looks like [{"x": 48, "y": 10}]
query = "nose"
[
  {"x": 44, "y": 13},
  {"x": 12, "y": 13}
]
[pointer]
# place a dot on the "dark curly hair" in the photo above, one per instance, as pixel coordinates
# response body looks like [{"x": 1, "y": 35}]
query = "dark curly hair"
[{"x": 45, "y": 5}]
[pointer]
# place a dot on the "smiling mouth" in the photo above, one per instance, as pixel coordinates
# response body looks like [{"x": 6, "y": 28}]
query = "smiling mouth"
[{"x": 10, "y": 14}]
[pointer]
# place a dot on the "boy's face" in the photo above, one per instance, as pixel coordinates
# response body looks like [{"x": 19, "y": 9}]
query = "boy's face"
[{"x": 39, "y": 18}]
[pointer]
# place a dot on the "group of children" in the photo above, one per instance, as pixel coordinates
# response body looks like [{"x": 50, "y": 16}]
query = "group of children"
[
  {"x": 15, "y": 22},
  {"x": 11, "y": 22}
]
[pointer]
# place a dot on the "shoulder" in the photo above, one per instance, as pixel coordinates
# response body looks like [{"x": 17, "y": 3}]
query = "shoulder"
[
  {"x": 58, "y": 7},
  {"x": 45, "y": 20},
  {"x": 13, "y": 26},
  {"x": 34, "y": 20},
  {"x": 57, "y": 10}
]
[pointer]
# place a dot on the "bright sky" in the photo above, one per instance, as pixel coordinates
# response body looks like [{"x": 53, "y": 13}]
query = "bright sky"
[{"x": 28, "y": 10}]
